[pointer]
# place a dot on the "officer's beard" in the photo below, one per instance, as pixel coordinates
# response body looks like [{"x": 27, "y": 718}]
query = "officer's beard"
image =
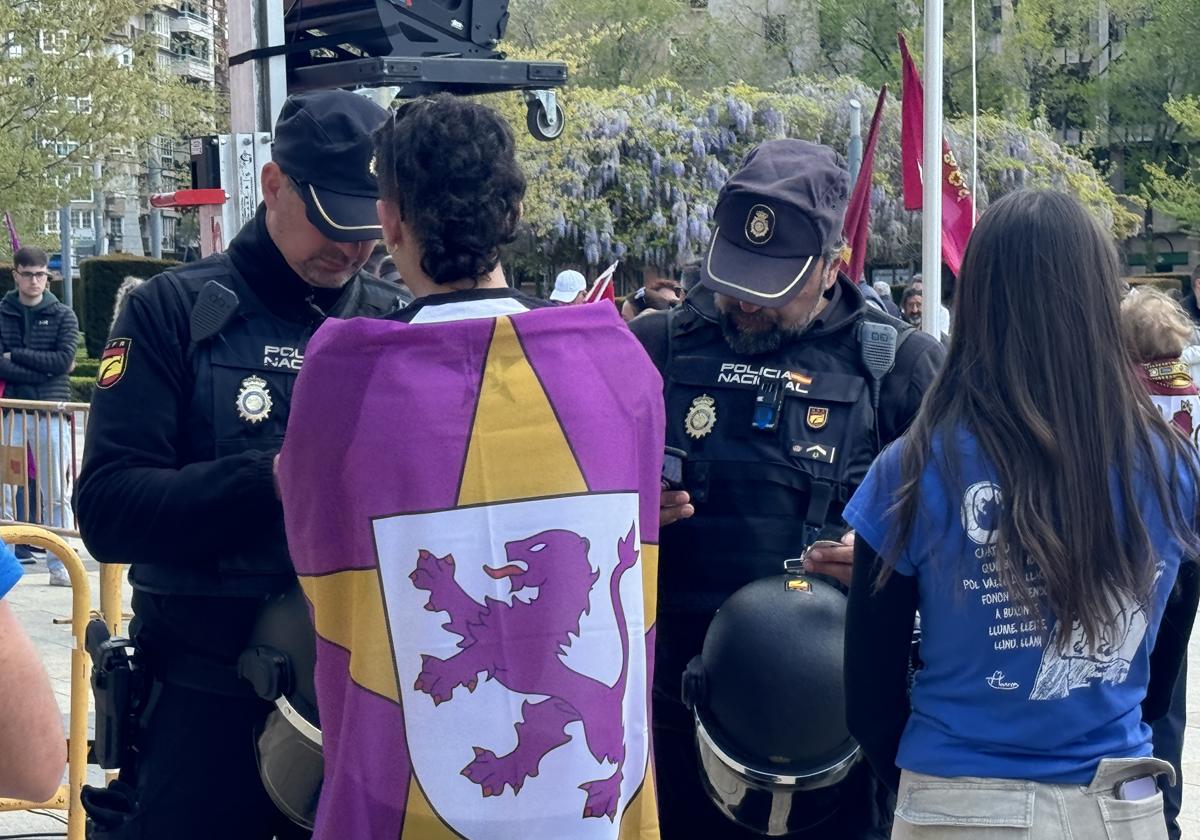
[{"x": 756, "y": 333}]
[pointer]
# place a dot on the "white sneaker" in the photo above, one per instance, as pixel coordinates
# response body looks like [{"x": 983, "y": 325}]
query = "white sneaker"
[{"x": 59, "y": 576}]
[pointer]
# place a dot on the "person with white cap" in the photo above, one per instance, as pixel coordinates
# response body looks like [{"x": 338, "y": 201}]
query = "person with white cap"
[{"x": 569, "y": 287}]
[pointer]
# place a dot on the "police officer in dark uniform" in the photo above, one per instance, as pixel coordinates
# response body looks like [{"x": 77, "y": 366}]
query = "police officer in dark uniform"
[
  {"x": 177, "y": 480},
  {"x": 781, "y": 387}
]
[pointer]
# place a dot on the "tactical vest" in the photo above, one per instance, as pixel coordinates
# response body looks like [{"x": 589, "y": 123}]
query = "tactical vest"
[
  {"x": 761, "y": 495},
  {"x": 241, "y": 381}
]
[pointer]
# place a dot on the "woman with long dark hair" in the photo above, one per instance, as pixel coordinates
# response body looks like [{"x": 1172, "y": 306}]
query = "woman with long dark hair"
[{"x": 1041, "y": 515}]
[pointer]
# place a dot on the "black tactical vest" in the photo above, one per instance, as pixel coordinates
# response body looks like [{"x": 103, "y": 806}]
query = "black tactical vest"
[
  {"x": 761, "y": 495},
  {"x": 241, "y": 389}
]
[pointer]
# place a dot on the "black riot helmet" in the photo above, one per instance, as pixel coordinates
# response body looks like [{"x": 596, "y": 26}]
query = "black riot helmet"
[
  {"x": 767, "y": 699},
  {"x": 279, "y": 664}
]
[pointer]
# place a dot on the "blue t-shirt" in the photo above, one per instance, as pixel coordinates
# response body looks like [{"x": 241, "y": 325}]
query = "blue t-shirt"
[
  {"x": 10, "y": 569},
  {"x": 992, "y": 698}
]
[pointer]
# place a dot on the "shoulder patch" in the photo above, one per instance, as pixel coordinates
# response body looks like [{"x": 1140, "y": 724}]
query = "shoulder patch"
[{"x": 113, "y": 362}]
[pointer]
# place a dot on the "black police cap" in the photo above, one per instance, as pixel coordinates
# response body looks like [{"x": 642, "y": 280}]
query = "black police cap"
[
  {"x": 323, "y": 141},
  {"x": 775, "y": 218}
]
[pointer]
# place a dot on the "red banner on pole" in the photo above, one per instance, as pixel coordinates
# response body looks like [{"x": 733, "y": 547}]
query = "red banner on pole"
[
  {"x": 958, "y": 206},
  {"x": 858, "y": 211}
]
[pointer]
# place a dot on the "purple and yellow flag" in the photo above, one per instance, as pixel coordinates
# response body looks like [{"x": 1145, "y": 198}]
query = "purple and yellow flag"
[{"x": 472, "y": 508}]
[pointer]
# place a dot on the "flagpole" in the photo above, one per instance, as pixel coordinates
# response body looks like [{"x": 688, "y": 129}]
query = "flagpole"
[
  {"x": 931, "y": 182},
  {"x": 974, "y": 118}
]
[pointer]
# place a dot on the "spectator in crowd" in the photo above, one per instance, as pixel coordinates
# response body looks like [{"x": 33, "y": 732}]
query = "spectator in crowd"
[
  {"x": 569, "y": 287},
  {"x": 33, "y": 751},
  {"x": 1191, "y": 353},
  {"x": 122, "y": 298},
  {"x": 910, "y": 306},
  {"x": 38, "y": 340},
  {"x": 884, "y": 290},
  {"x": 661, "y": 291},
  {"x": 918, "y": 283},
  {"x": 1156, "y": 330},
  {"x": 1038, "y": 516}
]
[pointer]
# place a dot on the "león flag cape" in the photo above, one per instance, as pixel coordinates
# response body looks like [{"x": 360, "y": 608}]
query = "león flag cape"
[{"x": 472, "y": 508}]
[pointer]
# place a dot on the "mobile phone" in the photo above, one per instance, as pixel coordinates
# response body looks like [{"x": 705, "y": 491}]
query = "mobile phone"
[
  {"x": 1134, "y": 790},
  {"x": 672, "y": 472}
]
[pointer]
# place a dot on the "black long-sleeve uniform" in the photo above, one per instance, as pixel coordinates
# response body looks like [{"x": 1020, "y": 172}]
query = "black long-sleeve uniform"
[{"x": 177, "y": 481}]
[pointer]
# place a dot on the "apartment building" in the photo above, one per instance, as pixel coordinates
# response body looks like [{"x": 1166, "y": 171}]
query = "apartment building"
[{"x": 189, "y": 39}]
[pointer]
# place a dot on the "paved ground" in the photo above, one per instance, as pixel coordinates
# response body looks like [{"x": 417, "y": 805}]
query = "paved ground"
[{"x": 38, "y": 605}]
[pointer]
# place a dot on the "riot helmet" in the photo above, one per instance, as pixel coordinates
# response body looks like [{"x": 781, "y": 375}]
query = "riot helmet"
[
  {"x": 768, "y": 705},
  {"x": 279, "y": 664}
]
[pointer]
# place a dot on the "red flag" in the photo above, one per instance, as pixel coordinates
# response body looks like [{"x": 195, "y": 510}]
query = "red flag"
[
  {"x": 958, "y": 207},
  {"x": 602, "y": 289},
  {"x": 858, "y": 212}
]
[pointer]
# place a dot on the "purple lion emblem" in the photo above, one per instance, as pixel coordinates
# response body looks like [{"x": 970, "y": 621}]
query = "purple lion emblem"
[{"x": 556, "y": 563}]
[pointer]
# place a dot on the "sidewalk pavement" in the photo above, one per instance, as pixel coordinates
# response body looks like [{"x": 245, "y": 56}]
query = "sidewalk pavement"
[{"x": 38, "y": 605}]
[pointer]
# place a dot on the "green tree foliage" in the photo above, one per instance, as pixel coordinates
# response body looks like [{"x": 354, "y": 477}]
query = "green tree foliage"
[
  {"x": 74, "y": 88},
  {"x": 636, "y": 173},
  {"x": 1177, "y": 190}
]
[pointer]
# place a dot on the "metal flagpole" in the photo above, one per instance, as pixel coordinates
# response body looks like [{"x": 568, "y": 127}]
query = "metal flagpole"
[
  {"x": 856, "y": 141},
  {"x": 931, "y": 182},
  {"x": 974, "y": 118}
]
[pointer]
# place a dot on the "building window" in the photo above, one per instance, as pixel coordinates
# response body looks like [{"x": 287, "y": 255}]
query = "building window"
[
  {"x": 116, "y": 227},
  {"x": 775, "y": 29},
  {"x": 51, "y": 225},
  {"x": 53, "y": 42},
  {"x": 82, "y": 220},
  {"x": 194, "y": 8}
]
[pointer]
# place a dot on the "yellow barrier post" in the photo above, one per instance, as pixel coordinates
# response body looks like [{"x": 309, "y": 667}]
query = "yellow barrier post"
[
  {"x": 111, "y": 578},
  {"x": 67, "y": 797}
]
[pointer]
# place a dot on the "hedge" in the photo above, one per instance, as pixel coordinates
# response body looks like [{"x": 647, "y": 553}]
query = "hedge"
[
  {"x": 101, "y": 277},
  {"x": 82, "y": 388}
]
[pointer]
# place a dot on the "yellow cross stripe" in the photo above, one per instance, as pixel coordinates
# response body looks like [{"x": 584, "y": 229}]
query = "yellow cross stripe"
[
  {"x": 518, "y": 450},
  {"x": 348, "y": 611}
]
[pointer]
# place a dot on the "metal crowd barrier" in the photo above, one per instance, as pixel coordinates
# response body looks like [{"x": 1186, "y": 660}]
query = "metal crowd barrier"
[
  {"x": 67, "y": 797},
  {"x": 41, "y": 449}
]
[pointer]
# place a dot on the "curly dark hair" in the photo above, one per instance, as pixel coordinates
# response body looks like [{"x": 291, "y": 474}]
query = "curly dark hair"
[{"x": 449, "y": 164}]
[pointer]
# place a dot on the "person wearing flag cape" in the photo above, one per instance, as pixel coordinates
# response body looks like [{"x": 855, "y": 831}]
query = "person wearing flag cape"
[{"x": 471, "y": 495}]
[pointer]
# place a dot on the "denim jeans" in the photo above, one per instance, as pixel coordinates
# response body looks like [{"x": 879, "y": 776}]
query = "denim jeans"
[
  {"x": 974, "y": 808},
  {"x": 48, "y": 438}
]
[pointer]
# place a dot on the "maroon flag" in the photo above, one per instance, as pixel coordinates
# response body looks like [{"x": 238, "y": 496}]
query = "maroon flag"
[
  {"x": 958, "y": 207},
  {"x": 858, "y": 212},
  {"x": 12, "y": 233},
  {"x": 602, "y": 289}
]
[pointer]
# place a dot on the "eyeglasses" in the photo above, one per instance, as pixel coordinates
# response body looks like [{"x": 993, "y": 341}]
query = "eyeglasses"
[{"x": 34, "y": 275}]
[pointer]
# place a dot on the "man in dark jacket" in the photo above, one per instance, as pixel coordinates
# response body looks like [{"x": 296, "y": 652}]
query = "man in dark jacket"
[
  {"x": 191, "y": 404},
  {"x": 38, "y": 338}
]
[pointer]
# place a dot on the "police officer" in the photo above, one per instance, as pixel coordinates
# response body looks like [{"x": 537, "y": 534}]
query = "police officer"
[
  {"x": 177, "y": 480},
  {"x": 780, "y": 400}
]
